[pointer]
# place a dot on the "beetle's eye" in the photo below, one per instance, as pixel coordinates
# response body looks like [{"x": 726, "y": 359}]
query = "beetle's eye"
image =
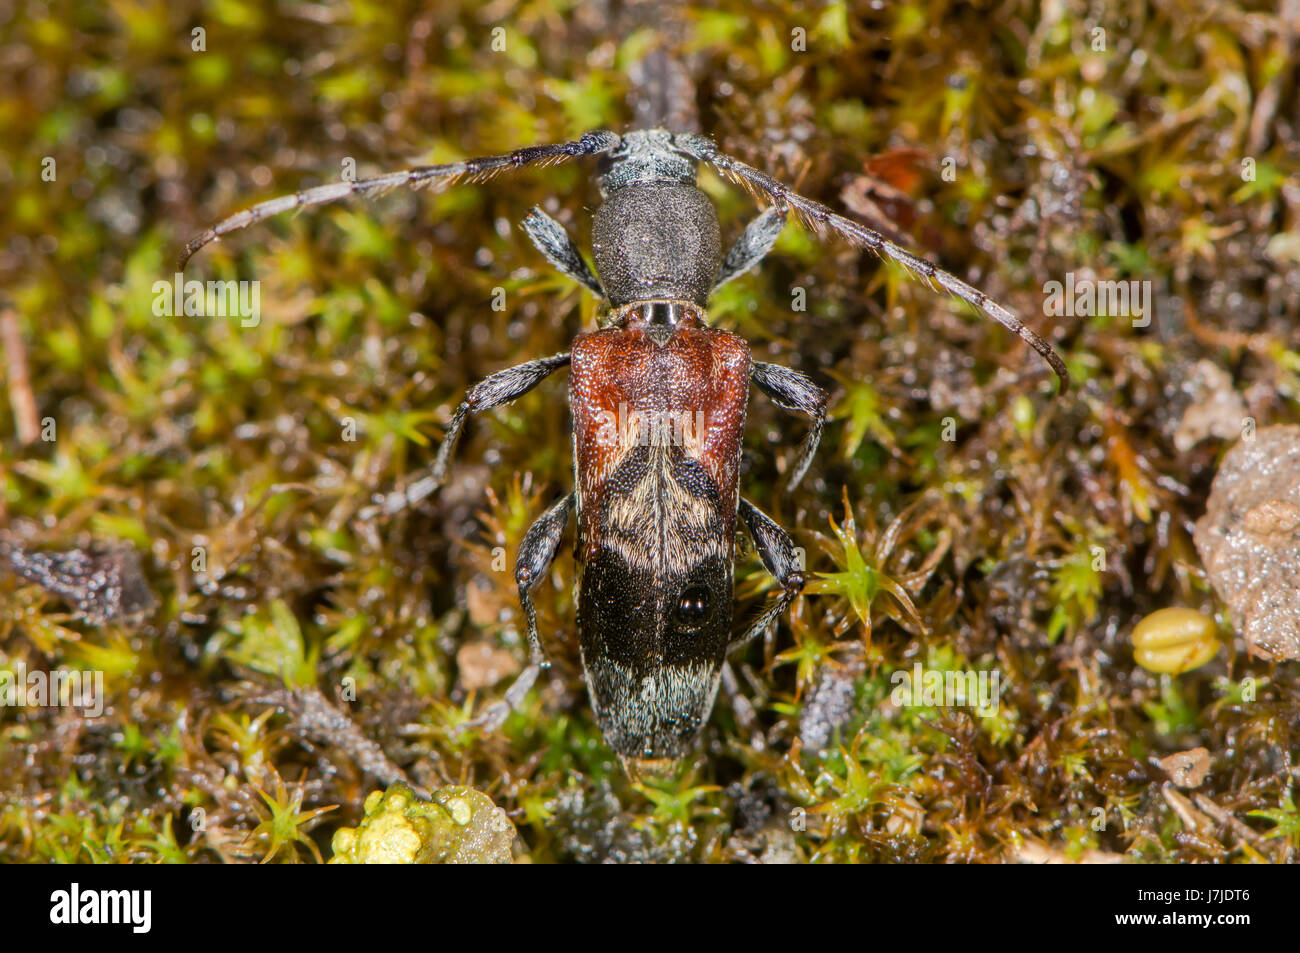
[{"x": 693, "y": 606}]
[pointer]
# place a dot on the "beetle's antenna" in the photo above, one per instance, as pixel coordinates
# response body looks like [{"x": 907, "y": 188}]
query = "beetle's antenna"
[
  {"x": 821, "y": 220},
  {"x": 592, "y": 143}
]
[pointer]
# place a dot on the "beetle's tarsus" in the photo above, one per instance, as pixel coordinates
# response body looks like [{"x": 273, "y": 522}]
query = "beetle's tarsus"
[
  {"x": 389, "y": 504},
  {"x": 746, "y": 717},
  {"x": 495, "y": 715}
]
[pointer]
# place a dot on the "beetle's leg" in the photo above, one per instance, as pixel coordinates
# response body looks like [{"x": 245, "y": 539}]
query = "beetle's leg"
[
  {"x": 782, "y": 559},
  {"x": 592, "y": 143},
  {"x": 793, "y": 391},
  {"x": 753, "y": 245},
  {"x": 501, "y": 388},
  {"x": 822, "y": 220},
  {"x": 536, "y": 553},
  {"x": 741, "y": 705},
  {"x": 554, "y": 242}
]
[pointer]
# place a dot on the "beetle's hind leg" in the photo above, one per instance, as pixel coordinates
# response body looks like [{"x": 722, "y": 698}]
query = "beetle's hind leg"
[
  {"x": 536, "y": 553},
  {"x": 501, "y": 388},
  {"x": 782, "y": 559},
  {"x": 793, "y": 391}
]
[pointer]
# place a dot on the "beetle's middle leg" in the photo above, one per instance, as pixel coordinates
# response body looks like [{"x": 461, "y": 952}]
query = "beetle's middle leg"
[
  {"x": 501, "y": 388},
  {"x": 782, "y": 559},
  {"x": 536, "y": 553},
  {"x": 791, "y": 390}
]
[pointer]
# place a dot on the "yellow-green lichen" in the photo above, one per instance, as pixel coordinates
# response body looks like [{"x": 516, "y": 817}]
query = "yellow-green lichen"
[{"x": 457, "y": 825}]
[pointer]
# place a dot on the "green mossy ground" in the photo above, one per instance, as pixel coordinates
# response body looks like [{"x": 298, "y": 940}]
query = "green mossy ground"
[{"x": 176, "y": 433}]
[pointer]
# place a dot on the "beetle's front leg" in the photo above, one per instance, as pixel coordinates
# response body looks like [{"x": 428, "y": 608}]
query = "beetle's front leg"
[
  {"x": 536, "y": 553},
  {"x": 791, "y": 390},
  {"x": 554, "y": 242},
  {"x": 782, "y": 560},
  {"x": 753, "y": 244},
  {"x": 501, "y": 388}
]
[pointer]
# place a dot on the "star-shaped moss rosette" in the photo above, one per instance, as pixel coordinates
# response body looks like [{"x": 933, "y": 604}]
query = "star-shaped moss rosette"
[{"x": 870, "y": 563}]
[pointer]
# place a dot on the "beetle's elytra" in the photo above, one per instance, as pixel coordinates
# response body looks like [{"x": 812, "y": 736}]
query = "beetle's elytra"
[
  {"x": 656, "y": 521},
  {"x": 658, "y": 400}
]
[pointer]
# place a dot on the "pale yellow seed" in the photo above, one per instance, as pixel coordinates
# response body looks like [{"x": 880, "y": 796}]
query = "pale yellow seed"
[{"x": 1173, "y": 641}]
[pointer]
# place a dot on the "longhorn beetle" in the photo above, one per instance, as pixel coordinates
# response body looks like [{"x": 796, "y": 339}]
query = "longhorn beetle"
[{"x": 656, "y": 508}]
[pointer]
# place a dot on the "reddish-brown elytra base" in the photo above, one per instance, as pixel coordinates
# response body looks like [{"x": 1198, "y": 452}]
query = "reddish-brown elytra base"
[
  {"x": 658, "y": 403},
  {"x": 660, "y": 380}
]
